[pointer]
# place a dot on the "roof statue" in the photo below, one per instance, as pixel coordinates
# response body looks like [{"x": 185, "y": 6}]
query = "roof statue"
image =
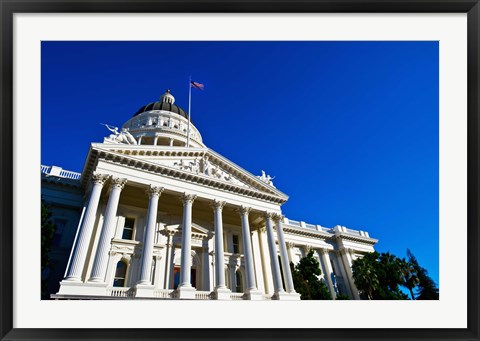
[
  {"x": 266, "y": 178},
  {"x": 120, "y": 137}
]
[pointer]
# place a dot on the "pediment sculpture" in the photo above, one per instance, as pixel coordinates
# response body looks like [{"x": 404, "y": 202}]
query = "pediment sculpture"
[{"x": 205, "y": 167}]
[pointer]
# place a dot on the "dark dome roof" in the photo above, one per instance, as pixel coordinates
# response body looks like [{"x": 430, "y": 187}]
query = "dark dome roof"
[{"x": 161, "y": 105}]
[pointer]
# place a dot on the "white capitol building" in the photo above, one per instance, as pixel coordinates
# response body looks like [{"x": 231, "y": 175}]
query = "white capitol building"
[{"x": 153, "y": 215}]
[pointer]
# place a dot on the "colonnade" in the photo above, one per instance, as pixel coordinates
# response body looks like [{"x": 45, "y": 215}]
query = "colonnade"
[{"x": 78, "y": 258}]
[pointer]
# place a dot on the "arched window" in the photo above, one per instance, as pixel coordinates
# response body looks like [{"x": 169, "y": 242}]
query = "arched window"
[
  {"x": 120, "y": 274},
  {"x": 239, "y": 281}
]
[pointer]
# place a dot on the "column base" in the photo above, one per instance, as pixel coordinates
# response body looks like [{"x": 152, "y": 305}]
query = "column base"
[
  {"x": 185, "y": 293},
  {"x": 286, "y": 296},
  {"x": 80, "y": 289},
  {"x": 221, "y": 294},
  {"x": 253, "y": 295},
  {"x": 144, "y": 290}
]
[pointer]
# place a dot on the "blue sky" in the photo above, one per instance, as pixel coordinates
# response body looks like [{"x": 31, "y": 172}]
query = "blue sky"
[{"x": 348, "y": 129}]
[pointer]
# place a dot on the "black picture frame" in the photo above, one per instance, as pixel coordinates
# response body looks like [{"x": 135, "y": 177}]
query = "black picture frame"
[{"x": 10, "y": 7}]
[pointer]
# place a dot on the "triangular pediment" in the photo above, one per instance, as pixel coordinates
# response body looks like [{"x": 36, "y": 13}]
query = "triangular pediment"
[
  {"x": 201, "y": 165},
  {"x": 195, "y": 228}
]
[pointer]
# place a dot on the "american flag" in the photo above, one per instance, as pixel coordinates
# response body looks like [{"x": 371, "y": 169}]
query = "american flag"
[{"x": 196, "y": 85}]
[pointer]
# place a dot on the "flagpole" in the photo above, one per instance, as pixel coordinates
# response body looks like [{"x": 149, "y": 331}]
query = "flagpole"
[{"x": 189, "y": 109}]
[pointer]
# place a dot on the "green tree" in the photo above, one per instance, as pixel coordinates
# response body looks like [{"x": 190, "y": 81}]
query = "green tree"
[
  {"x": 305, "y": 279},
  {"x": 390, "y": 277},
  {"x": 342, "y": 297},
  {"x": 427, "y": 289},
  {"x": 409, "y": 276},
  {"x": 378, "y": 276},
  {"x": 365, "y": 274},
  {"x": 47, "y": 233}
]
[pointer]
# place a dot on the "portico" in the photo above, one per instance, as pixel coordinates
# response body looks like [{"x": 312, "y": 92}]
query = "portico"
[{"x": 169, "y": 219}]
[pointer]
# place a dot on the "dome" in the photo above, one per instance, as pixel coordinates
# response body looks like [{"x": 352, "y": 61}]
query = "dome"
[
  {"x": 163, "y": 123},
  {"x": 166, "y": 103}
]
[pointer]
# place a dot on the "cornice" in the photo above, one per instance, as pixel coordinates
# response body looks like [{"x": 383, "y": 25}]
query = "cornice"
[
  {"x": 116, "y": 154},
  {"x": 355, "y": 238},
  {"x": 306, "y": 232},
  {"x": 64, "y": 182}
]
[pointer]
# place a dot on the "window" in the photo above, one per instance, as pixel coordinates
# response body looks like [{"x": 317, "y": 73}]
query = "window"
[
  {"x": 120, "y": 274},
  {"x": 59, "y": 228},
  {"x": 128, "y": 229},
  {"x": 236, "y": 243}
]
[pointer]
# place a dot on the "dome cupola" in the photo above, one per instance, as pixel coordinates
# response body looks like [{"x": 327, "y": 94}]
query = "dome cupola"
[{"x": 167, "y": 97}]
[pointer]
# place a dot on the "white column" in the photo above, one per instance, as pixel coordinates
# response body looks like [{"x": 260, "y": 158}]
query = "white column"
[
  {"x": 347, "y": 260},
  {"x": 79, "y": 253},
  {"x": 185, "y": 289},
  {"x": 168, "y": 258},
  {"x": 257, "y": 260},
  {"x": 157, "y": 276},
  {"x": 251, "y": 289},
  {"x": 185, "y": 266},
  {"x": 327, "y": 267},
  {"x": 219, "y": 252},
  {"x": 171, "y": 267},
  {"x": 277, "y": 278},
  {"x": 266, "y": 263},
  {"x": 290, "y": 251},
  {"x": 247, "y": 249},
  {"x": 341, "y": 268},
  {"x": 108, "y": 229},
  {"x": 220, "y": 288},
  {"x": 287, "y": 273},
  {"x": 149, "y": 236},
  {"x": 211, "y": 263}
]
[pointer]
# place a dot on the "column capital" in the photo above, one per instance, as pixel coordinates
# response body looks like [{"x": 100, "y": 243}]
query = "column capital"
[
  {"x": 346, "y": 250},
  {"x": 278, "y": 218},
  {"x": 188, "y": 198},
  {"x": 243, "y": 210},
  {"x": 118, "y": 182},
  {"x": 217, "y": 205},
  {"x": 154, "y": 191},
  {"x": 268, "y": 215},
  {"x": 98, "y": 178},
  {"x": 290, "y": 245},
  {"x": 323, "y": 251}
]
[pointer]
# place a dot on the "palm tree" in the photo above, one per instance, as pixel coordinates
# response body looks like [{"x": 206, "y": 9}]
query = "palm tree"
[
  {"x": 410, "y": 276},
  {"x": 427, "y": 289},
  {"x": 365, "y": 274}
]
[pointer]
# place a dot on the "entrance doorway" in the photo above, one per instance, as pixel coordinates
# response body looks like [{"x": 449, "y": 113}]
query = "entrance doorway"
[{"x": 176, "y": 277}]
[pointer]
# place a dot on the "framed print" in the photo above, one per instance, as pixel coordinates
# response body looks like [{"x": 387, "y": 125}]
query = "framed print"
[{"x": 170, "y": 137}]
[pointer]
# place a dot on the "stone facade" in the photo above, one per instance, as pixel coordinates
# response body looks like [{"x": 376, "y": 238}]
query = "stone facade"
[{"x": 162, "y": 220}]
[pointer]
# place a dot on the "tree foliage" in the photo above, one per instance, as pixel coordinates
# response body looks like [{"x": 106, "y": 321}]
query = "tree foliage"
[
  {"x": 47, "y": 233},
  {"x": 306, "y": 279},
  {"x": 381, "y": 277},
  {"x": 427, "y": 289}
]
